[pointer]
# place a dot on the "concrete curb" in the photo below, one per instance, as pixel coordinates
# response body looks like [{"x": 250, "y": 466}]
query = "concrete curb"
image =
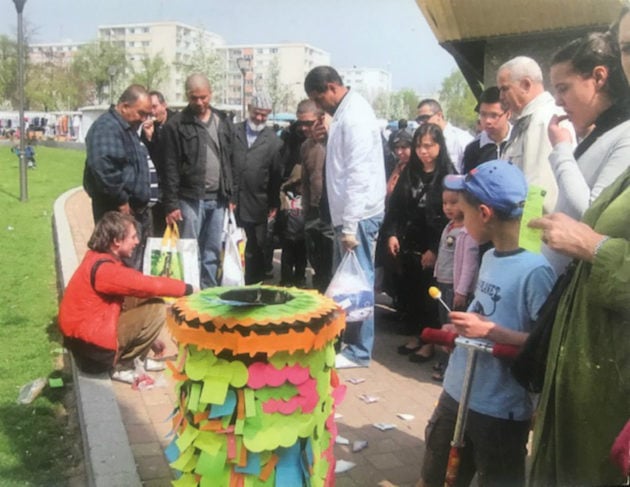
[{"x": 109, "y": 461}]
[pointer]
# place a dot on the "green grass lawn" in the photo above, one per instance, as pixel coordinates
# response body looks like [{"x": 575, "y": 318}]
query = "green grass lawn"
[{"x": 37, "y": 446}]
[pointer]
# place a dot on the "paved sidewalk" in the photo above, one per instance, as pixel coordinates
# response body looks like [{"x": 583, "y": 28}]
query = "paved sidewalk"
[{"x": 392, "y": 457}]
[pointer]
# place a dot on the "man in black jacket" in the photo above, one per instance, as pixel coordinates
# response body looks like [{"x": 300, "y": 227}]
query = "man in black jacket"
[
  {"x": 197, "y": 185},
  {"x": 257, "y": 174},
  {"x": 151, "y": 137},
  {"x": 496, "y": 128}
]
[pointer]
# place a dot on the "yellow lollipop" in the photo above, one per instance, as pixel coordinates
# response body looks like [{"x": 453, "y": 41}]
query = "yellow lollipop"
[{"x": 435, "y": 293}]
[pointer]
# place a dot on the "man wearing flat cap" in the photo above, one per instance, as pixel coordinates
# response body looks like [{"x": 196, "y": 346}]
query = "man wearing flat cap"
[{"x": 257, "y": 175}]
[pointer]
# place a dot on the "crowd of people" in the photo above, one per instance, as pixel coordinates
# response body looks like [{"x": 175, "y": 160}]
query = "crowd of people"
[{"x": 438, "y": 206}]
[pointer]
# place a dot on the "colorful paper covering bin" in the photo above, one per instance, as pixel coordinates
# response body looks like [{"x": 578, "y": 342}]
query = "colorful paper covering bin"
[{"x": 257, "y": 387}]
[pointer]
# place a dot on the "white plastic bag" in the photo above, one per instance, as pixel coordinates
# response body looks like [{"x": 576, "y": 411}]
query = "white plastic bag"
[
  {"x": 233, "y": 265},
  {"x": 351, "y": 290}
]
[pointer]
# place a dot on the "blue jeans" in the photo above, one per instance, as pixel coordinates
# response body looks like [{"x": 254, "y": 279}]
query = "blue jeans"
[
  {"x": 359, "y": 336},
  {"x": 203, "y": 220}
]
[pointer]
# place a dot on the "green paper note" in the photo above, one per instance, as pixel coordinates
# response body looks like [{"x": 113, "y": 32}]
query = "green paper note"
[
  {"x": 250, "y": 403},
  {"x": 210, "y": 442},
  {"x": 529, "y": 238},
  {"x": 198, "y": 362},
  {"x": 214, "y": 390},
  {"x": 55, "y": 382},
  {"x": 183, "y": 459},
  {"x": 193, "y": 398},
  {"x": 186, "y": 438},
  {"x": 186, "y": 480},
  {"x": 238, "y": 426}
]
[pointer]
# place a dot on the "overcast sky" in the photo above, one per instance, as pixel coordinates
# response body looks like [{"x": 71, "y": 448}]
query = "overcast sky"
[{"x": 387, "y": 34}]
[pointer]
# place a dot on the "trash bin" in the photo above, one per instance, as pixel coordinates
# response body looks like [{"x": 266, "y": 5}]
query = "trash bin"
[{"x": 257, "y": 387}]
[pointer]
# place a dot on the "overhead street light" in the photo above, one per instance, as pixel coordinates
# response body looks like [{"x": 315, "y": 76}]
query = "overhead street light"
[
  {"x": 19, "y": 7},
  {"x": 244, "y": 65},
  {"x": 111, "y": 72}
]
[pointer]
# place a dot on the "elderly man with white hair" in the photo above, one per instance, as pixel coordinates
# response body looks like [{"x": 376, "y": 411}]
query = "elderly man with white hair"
[
  {"x": 520, "y": 82},
  {"x": 257, "y": 175}
]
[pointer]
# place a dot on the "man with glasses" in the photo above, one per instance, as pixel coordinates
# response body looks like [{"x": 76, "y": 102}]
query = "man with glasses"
[
  {"x": 430, "y": 111},
  {"x": 495, "y": 131},
  {"x": 116, "y": 174}
]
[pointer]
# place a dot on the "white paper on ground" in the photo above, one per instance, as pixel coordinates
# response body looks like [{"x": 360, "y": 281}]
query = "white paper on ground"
[
  {"x": 340, "y": 440},
  {"x": 405, "y": 416},
  {"x": 366, "y": 398},
  {"x": 355, "y": 380},
  {"x": 359, "y": 445},
  {"x": 343, "y": 466},
  {"x": 385, "y": 426}
]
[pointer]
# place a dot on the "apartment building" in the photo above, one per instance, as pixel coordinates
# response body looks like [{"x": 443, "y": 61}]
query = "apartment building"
[
  {"x": 175, "y": 42},
  {"x": 370, "y": 82},
  {"x": 59, "y": 53},
  {"x": 262, "y": 65}
]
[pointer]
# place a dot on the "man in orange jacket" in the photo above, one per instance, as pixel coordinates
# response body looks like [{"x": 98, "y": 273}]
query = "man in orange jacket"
[{"x": 99, "y": 333}]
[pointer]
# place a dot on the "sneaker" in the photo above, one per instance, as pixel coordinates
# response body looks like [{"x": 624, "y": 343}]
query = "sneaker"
[
  {"x": 127, "y": 376},
  {"x": 151, "y": 365},
  {"x": 343, "y": 362}
]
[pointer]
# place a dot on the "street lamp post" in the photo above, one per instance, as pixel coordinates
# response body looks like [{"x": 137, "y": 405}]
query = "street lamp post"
[
  {"x": 19, "y": 7},
  {"x": 243, "y": 65},
  {"x": 111, "y": 71}
]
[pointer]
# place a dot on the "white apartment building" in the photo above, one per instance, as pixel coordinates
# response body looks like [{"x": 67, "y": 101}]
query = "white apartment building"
[
  {"x": 290, "y": 61},
  {"x": 370, "y": 82},
  {"x": 59, "y": 53},
  {"x": 177, "y": 43}
]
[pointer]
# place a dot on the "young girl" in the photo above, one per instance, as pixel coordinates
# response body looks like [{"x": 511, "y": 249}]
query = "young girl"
[{"x": 457, "y": 263}]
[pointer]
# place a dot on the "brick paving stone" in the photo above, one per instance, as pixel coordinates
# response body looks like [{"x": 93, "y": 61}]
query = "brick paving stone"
[
  {"x": 153, "y": 467},
  {"x": 141, "y": 433},
  {"x": 146, "y": 449}
]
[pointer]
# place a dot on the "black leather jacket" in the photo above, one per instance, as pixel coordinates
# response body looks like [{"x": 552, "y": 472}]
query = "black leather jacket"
[{"x": 185, "y": 158}]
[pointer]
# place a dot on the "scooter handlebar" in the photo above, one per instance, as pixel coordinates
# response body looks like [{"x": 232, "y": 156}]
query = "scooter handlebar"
[{"x": 447, "y": 339}]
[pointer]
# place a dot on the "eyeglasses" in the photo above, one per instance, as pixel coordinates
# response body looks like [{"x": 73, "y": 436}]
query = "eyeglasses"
[
  {"x": 491, "y": 115},
  {"x": 424, "y": 118}
]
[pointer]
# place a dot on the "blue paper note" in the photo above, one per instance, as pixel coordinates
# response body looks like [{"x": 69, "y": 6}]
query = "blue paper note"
[
  {"x": 225, "y": 409},
  {"x": 253, "y": 464},
  {"x": 289, "y": 468},
  {"x": 172, "y": 452}
]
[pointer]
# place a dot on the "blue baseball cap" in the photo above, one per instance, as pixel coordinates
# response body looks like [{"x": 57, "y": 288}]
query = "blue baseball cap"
[{"x": 499, "y": 184}]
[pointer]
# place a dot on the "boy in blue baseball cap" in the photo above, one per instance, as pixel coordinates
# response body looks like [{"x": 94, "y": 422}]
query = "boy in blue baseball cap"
[{"x": 513, "y": 284}]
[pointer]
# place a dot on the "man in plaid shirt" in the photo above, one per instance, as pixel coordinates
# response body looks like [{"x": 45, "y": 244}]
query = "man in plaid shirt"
[{"x": 116, "y": 174}]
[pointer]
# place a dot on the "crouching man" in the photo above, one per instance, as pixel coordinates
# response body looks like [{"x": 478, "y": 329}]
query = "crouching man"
[{"x": 99, "y": 333}]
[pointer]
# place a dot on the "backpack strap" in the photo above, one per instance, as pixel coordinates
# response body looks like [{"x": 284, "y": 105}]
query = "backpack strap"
[{"x": 95, "y": 267}]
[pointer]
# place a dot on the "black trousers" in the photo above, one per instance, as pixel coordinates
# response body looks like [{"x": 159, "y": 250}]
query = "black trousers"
[
  {"x": 293, "y": 263},
  {"x": 255, "y": 251}
]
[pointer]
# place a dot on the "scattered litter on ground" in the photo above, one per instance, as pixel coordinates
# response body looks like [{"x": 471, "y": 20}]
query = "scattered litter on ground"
[
  {"x": 355, "y": 380},
  {"x": 343, "y": 466},
  {"x": 386, "y": 483},
  {"x": 55, "y": 382},
  {"x": 384, "y": 426},
  {"x": 366, "y": 398},
  {"x": 405, "y": 416},
  {"x": 359, "y": 445},
  {"x": 340, "y": 440},
  {"x": 143, "y": 382},
  {"x": 28, "y": 392},
  {"x": 338, "y": 416}
]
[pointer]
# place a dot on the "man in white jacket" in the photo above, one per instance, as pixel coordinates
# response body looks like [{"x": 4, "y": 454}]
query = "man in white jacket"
[
  {"x": 520, "y": 83},
  {"x": 355, "y": 184}
]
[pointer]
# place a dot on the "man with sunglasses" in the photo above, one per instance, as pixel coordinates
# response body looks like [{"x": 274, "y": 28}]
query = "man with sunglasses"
[
  {"x": 495, "y": 131},
  {"x": 430, "y": 111}
]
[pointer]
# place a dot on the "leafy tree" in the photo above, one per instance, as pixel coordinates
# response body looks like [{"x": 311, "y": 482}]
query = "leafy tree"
[
  {"x": 8, "y": 69},
  {"x": 457, "y": 101},
  {"x": 51, "y": 86},
  {"x": 91, "y": 68},
  {"x": 396, "y": 105},
  {"x": 151, "y": 72},
  {"x": 205, "y": 60},
  {"x": 281, "y": 97}
]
